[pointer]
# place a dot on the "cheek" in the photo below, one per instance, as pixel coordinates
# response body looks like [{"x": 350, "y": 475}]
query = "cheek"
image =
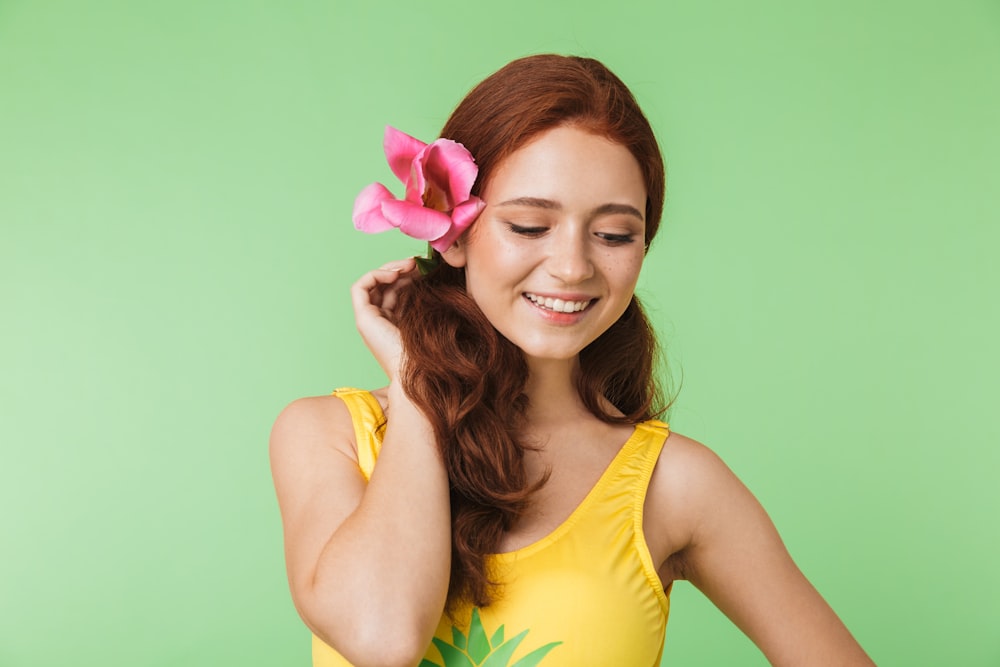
[
  {"x": 485, "y": 275},
  {"x": 623, "y": 271},
  {"x": 494, "y": 263}
]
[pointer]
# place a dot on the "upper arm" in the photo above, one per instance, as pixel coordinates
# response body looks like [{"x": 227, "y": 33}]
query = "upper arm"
[
  {"x": 317, "y": 480},
  {"x": 732, "y": 552}
]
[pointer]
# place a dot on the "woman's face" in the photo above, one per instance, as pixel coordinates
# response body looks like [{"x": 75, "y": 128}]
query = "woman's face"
[{"x": 554, "y": 257}]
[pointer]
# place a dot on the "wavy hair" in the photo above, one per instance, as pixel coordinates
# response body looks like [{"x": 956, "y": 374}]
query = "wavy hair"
[{"x": 462, "y": 373}]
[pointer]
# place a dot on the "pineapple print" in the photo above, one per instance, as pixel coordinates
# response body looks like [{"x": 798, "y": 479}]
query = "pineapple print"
[{"x": 477, "y": 650}]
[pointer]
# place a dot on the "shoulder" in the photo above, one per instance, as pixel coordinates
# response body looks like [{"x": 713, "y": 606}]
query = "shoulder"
[
  {"x": 687, "y": 468},
  {"x": 313, "y": 453},
  {"x": 317, "y": 480},
  {"x": 312, "y": 424},
  {"x": 317, "y": 423},
  {"x": 689, "y": 487},
  {"x": 714, "y": 533}
]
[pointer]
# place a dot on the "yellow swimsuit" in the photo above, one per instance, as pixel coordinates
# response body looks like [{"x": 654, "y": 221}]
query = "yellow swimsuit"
[{"x": 586, "y": 594}]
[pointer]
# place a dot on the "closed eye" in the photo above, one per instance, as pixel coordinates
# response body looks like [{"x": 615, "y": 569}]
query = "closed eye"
[
  {"x": 616, "y": 239},
  {"x": 527, "y": 230}
]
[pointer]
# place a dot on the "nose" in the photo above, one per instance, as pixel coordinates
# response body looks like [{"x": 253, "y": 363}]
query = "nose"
[{"x": 569, "y": 259}]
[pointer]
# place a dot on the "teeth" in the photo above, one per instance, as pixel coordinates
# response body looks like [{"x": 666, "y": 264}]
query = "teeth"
[{"x": 557, "y": 305}]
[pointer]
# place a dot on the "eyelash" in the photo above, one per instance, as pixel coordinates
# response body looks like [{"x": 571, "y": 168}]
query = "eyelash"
[
  {"x": 610, "y": 239},
  {"x": 617, "y": 239},
  {"x": 527, "y": 231}
]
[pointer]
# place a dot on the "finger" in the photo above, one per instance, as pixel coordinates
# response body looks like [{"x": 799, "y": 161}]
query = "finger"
[
  {"x": 386, "y": 274},
  {"x": 370, "y": 289},
  {"x": 400, "y": 266},
  {"x": 390, "y": 295},
  {"x": 406, "y": 264},
  {"x": 375, "y": 279},
  {"x": 408, "y": 272},
  {"x": 367, "y": 291}
]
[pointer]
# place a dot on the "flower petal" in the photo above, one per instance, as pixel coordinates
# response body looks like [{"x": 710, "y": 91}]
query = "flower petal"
[
  {"x": 416, "y": 221},
  {"x": 463, "y": 216},
  {"x": 367, "y": 213},
  {"x": 450, "y": 167},
  {"x": 400, "y": 151},
  {"x": 415, "y": 181}
]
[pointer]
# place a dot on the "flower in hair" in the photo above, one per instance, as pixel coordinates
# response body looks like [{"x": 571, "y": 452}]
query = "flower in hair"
[{"x": 437, "y": 206}]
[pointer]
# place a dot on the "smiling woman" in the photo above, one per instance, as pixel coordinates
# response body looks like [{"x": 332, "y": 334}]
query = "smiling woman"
[
  {"x": 554, "y": 264},
  {"x": 511, "y": 498}
]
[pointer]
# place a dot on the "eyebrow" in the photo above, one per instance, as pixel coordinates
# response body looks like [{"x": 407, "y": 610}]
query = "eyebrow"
[{"x": 603, "y": 209}]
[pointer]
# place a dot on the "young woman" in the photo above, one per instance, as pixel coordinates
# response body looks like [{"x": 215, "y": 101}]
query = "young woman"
[{"x": 510, "y": 497}]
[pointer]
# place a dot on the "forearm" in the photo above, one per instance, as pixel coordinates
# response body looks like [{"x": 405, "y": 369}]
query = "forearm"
[{"x": 388, "y": 564}]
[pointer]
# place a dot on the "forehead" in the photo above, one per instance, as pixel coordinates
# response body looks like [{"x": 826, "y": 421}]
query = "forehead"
[{"x": 571, "y": 166}]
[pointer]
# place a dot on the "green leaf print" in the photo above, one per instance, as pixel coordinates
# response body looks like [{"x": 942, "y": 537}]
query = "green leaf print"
[
  {"x": 502, "y": 654},
  {"x": 481, "y": 650},
  {"x": 453, "y": 657},
  {"x": 479, "y": 645},
  {"x": 535, "y": 656}
]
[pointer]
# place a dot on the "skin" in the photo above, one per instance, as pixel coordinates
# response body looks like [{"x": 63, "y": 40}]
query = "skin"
[{"x": 563, "y": 220}]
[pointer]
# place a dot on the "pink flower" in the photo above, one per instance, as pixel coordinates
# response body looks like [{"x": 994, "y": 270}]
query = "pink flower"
[{"x": 437, "y": 206}]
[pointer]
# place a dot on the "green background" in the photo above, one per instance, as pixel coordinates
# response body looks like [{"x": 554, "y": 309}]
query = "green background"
[{"x": 176, "y": 180}]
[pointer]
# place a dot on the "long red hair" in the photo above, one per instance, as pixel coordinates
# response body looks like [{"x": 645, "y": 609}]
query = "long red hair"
[{"x": 463, "y": 374}]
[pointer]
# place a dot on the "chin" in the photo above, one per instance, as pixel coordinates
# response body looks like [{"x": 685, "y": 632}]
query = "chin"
[{"x": 549, "y": 354}]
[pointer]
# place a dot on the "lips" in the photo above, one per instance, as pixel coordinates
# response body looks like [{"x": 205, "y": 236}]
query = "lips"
[{"x": 558, "y": 305}]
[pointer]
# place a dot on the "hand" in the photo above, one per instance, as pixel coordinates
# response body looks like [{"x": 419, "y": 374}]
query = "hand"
[{"x": 374, "y": 296}]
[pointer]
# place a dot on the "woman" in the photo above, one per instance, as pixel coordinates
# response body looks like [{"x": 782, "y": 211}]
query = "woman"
[{"x": 526, "y": 506}]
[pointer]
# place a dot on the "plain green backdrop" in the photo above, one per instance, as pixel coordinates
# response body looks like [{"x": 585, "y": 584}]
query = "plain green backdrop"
[{"x": 176, "y": 180}]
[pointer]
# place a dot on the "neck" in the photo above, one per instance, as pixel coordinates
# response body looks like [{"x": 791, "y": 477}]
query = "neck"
[{"x": 552, "y": 393}]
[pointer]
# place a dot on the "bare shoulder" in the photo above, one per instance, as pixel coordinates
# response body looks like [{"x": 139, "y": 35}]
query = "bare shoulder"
[
  {"x": 313, "y": 424},
  {"x": 708, "y": 528},
  {"x": 682, "y": 456},
  {"x": 686, "y": 470},
  {"x": 688, "y": 484},
  {"x": 317, "y": 480}
]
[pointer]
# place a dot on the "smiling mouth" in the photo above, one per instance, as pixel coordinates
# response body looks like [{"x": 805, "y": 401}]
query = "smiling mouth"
[{"x": 557, "y": 305}]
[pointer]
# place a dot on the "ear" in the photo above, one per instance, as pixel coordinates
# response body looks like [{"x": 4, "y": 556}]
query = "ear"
[{"x": 455, "y": 254}]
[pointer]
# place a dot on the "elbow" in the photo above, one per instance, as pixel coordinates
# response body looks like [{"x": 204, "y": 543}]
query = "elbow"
[
  {"x": 383, "y": 651},
  {"x": 372, "y": 640},
  {"x": 378, "y": 645}
]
